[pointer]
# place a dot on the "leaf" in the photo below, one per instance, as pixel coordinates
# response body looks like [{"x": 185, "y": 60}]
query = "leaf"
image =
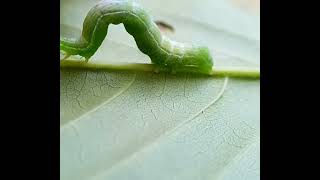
[{"x": 127, "y": 125}]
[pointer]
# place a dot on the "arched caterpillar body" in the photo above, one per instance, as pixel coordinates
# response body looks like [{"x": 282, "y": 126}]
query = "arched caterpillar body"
[{"x": 162, "y": 51}]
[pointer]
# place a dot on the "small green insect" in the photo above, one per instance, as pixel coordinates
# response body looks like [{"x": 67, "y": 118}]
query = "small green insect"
[{"x": 164, "y": 53}]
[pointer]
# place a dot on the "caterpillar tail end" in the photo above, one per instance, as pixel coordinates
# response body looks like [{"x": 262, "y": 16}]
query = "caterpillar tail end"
[
  {"x": 67, "y": 47},
  {"x": 70, "y": 47}
]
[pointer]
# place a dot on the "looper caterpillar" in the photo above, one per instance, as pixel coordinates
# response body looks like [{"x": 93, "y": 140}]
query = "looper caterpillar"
[{"x": 164, "y": 53}]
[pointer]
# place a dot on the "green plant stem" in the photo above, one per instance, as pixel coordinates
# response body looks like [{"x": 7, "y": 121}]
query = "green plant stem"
[{"x": 216, "y": 71}]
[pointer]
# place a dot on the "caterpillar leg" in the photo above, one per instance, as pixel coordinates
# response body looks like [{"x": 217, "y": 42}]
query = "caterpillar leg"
[{"x": 86, "y": 60}]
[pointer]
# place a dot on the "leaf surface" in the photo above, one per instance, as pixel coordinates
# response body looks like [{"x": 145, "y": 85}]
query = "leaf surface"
[{"x": 139, "y": 125}]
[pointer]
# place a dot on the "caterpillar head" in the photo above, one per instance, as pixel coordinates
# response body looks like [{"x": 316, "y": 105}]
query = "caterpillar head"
[{"x": 200, "y": 59}]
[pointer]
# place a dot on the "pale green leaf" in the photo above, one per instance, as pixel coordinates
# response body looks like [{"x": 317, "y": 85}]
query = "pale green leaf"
[{"x": 138, "y": 125}]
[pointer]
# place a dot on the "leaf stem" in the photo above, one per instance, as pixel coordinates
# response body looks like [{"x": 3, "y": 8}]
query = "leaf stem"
[{"x": 240, "y": 72}]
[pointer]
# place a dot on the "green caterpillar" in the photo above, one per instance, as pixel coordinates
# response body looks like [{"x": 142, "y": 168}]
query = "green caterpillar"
[{"x": 164, "y": 53}]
